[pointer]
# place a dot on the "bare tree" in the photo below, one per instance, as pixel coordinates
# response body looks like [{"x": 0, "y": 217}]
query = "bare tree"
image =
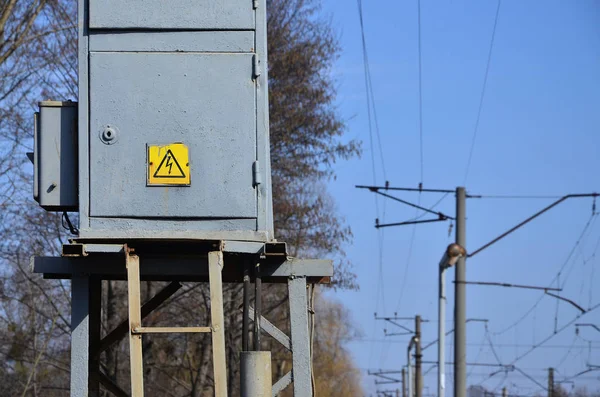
[{"x": 38, "y": 60}]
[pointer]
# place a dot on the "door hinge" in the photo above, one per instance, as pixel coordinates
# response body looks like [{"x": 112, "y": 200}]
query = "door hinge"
[
  {"x": 257, "y": 179},
  {"x": 255, "y": 66},
  {"x": 255, "y": 4}
]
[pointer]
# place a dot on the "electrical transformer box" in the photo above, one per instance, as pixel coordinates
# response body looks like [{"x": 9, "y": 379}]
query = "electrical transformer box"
[{"x": 173, "y": 135}]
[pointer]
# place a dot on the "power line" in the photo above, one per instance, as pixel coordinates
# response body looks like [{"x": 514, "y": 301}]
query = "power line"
[
  {"x": 372, "y": 118},
  {"x": 532, "y": 308},
  {"x": 558, "y": 331},
  {"x": 499, "y": 345},
  {"x": 500, "y": 196},
  {"x": 485, "y": 78},
  {"x": 420, "y": 94}
]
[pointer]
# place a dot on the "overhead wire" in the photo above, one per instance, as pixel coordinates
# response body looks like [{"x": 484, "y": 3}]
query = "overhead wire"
[
  {"x": 373, "y": 124},
  {"x": 500, "y": 196},
  {"x": 420, "y": 93},
  {"x": 485, "y": 79},
  {"x": 564, "y": 358},
  {"x": 555, "y": 278},
  {"x": 480, "y": 351},
  {"x": 549, "y": 337}
]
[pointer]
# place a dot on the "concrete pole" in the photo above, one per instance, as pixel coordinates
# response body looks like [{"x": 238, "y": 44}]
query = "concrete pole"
[
  {"x": 255, "y": 374},
  {"x": 403, "y": 382},
  {"x": 441, "y": 331},
  {"x": 460, "y": 301},
  {"x": 418, "y": 356},
  {"x": 409, "y": 369},
  {"x": 550, "y": 382}
]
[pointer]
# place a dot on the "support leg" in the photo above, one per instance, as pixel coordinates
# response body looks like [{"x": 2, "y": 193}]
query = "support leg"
[
  {"x": 215, "y": 266},
  {"x": 80, "y": 335},
  {"x": 95, "y": 294},
  {"x": 135, "y": 321},
  {"x": 301, "y": 364},
  {"x": 246, "y": 319}
]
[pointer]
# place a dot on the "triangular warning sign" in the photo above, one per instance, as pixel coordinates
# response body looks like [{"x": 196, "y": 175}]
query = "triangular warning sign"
[{"x": 169, "y": 167}]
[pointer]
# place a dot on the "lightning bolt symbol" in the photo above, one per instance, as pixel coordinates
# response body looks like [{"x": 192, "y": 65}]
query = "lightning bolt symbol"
[{"x": 169, "y": 164}]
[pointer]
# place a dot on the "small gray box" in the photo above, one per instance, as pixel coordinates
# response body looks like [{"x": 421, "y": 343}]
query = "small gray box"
[{"x": 55, "y": 156}]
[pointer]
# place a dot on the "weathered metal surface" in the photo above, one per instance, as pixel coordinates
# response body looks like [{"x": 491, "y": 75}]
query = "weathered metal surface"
[
  {"x": 80, "y": 329},
  {"x": 272, "y": 330},
  {"x": 215, "y": 267},
  {"x": 198, "y": 115},
  {"x": 172, "y": 15},
  {"x": 135, "y": 320},
  {"x": 216, "y": 41},
  {"x": 281, "y": 384},
  {"x": 169, "y": 330},
  {"x": 169, "y": 229},
  {"x": 55, "y": 156},
  {"x": 95, "y": 323},
  {"x": 301, "y": 360},
  {"x": 159, "y": 73},
  {"x": 255, "y": 374},
  {"x": 264, "y": 191},
  {"x": 192, "y": 268},
  {"x": 243, "y": 247}
]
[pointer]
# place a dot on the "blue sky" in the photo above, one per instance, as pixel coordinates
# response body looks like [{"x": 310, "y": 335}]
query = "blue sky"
[{"x": 538, "y": 135}]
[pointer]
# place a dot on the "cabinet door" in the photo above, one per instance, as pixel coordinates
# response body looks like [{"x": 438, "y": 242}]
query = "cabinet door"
[
  {"x": 171, "y": 14},
  {"x": 206, "y": 101}
]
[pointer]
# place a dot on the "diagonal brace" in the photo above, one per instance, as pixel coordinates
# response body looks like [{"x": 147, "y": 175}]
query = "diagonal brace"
[
  {"x": 110, "y": 385},
  {"x": 272, "y": 330},
  {"x": 121, "y": 330}
]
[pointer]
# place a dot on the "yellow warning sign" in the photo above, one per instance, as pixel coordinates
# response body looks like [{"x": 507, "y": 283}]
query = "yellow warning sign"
[{"x": 168, "y": 165}]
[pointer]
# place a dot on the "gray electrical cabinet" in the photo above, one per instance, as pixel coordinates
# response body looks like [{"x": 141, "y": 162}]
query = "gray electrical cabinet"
[
  {"x": 55, "y": 147},
  {"x": 173, "y": 135}
]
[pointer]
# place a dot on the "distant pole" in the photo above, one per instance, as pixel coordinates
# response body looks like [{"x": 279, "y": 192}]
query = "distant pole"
[
  {"x": 460, "y": 301},
  {"x": 418, "y": 356},
  {"x": 441, "y": 330},
  {"x": 409, "y": 370},
  {"x": 449, "y": 259},
  {"x": 403, "y": 382},
  {"x": 550, "y": 382},
  {"x": 504, "y": 392}
]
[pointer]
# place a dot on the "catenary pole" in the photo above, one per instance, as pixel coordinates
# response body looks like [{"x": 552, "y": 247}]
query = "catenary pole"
[
  {"x": 403, "y": 382},
  {"x": 460, "y": 337},
  {"x": 418, "y": 357}
]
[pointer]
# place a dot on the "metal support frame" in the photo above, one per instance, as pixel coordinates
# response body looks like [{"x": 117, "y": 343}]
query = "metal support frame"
[
  {"x": 80, "y": 335},
  {"x": 300, "y": 337},
  {"x": 132, "y": 263},
  {"x": 215, "y": 266},
  {"x": 90, "y": 263}
]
